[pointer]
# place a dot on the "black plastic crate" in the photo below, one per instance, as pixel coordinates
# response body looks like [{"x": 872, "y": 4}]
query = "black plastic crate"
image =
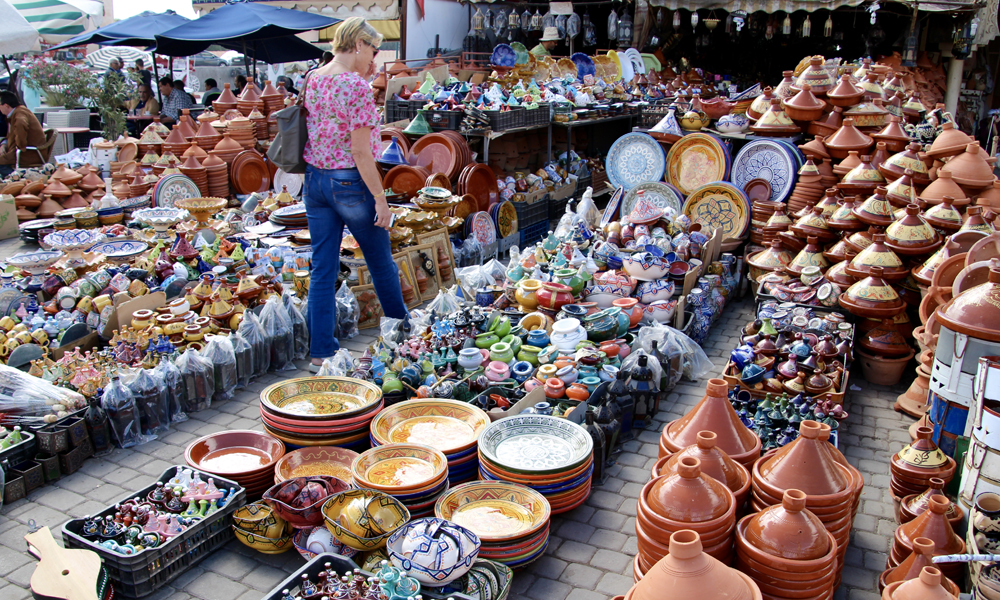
[
  {"x": 502, "y": 120},
  {"x": 399, "y": 110},
  {"x": 145, "y": 572},
  {"x": 557, "y": 208},
  {"x": 529, "y": 214},
  {"x": 650, "y": 116},
  {"x": 533, "y": 233},
  {"x": 22, "y": 452},
  {"x": 340, "y": 564},
  {"x": 538, "y": 116},
  {"x": 441, "y": 120}
]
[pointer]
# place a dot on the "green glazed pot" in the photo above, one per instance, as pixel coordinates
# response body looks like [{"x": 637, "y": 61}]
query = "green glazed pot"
[
  {"x": 501, "y": 352},
  {"x": 529, "y": 354},
  {"x": 485, "y": 340},
  {"x": 601, "y": 326}
]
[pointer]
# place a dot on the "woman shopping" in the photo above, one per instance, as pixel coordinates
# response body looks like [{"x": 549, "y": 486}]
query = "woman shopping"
[{"x": 342, "y": 183}]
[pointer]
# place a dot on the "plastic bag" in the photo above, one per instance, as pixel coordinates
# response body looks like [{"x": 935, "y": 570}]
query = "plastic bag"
[
  {"x": 174, "y": 389},
  {"x": 123, "y": 415},
  {"x": 495, "y": 271},
  {"x": 300, "y": 331},
  {"x": 244, "y": 359},
  {"x": 694, "y": 361},
  {"x": 338, "y": 365},
  {"x": 219, "y": 352},
  {"x": 651, "y": 362},
  {"x": 473, "y": 278},
  {"x": 274, "y": 319},
  {"x": 253, "y": 333},
  {"x": 392, "y": 332},
  {"x": 444, "y": 303},
  {"x": 199, "y": 380},
  {"x": 348, "y": 313},
  {"x": 154, "y": 415}
]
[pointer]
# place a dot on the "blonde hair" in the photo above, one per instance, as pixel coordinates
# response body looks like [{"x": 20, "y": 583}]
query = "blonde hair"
[{"x": 352, "y": 31}]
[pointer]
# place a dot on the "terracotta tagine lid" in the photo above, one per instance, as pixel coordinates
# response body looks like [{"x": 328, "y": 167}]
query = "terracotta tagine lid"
[
  {"x": 881, "y": 154},
  {"x": 847, "y": 138},
  {"x": 859, "y": 240},
  {"x": 974, "y": 221},
  {"x": 893, "y": 135},
  {"x": 975, "y": 311},
  {"x": 186, "y": 127},
  {"x": 227, "y": 98},
  {"x": 56, "y": 188},
  {"x": 912, "y": 235},
  {"x": 816, "y": 76},
  {"x": 228, "y": 145},
  {"x": 249, "y": 94},
  {"x": 774, "y": 258},
  {"x": 688, "y": 495},
  {"x": 873, "y": 90},
  {"x": 845, "y": 93},
  {"x": 715, "y": 463},
  {"x": 950, "y": 142},
  {"x": 862, "y": 179},
  {"x": 929, "y": 585},
  {"x": 788, "y": 530},
  {"x": 898, "y": 163},
  {"x": 837, "y": 252},
  {"x": 192, "y": 163},
  {"x": 176, "y": 136},
  {"x": 870, "y": 115},
  {"x": 853, "y": 159},
  {"x": 843, "y": 218},
  {"x": 90, "y": 182},
  {"x": 784, "y": 89},
  {"x": 970, "y": 167},
  {"x": 804, "y": 106},
  {"x": 944, "y": 215},
  {"x": 838, "y": 273},
  {"x": 761, "y": 104},
  {"x": 885, "y": 339},
  {"x": 66, "y": 175},
  {"x": 990, "y": 197},
  {"x": 690, "y": 573},
  {"x": 924, "y": 274},
  {"x": 915, "y": 505},
  {"x": 902, "y": 191},
  {"x": 872, "y": 297},
  {"x": 775, "y": 121},
  {"x": 878, "y": 255},
  {"x": 714, "y": 413},
  {"x": 932, "y": 524},
  {"x": 815, "y": 148},
  {"x": 876, "y": 209},
  {"x": 805, "y": 465},
  {"x": 207, "y": 131},
  {"x": 922, "y": 556},
  {"x": 812, "y": 224},
  {"x": 810, "y": 256},
  {"x": 830, "y": 202},
  {"x": 827, "y": 124},
  {"x": 778, "y": 221}
]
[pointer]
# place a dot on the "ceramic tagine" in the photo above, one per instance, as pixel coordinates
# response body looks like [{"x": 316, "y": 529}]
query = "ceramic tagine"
[
  {"x": 715, "y": 463},
  {"x": 912, "y": 235},
  {"x": 872, "y": 297},
  {"x": 878, "y": 255},
  {"x": 975, "y": 312},
  {"x": 714, "y": 413}
]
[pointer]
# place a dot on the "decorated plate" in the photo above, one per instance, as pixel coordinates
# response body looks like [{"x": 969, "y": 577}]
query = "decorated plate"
[
  {"x": 119, "y": 248},
  {"x": 660, "y": 194},
  {"x": 494, "y": 510},
  {"x": 446, "y": 425},
  {"x": 611, "y": 211},
  {"x": 766, "y": 159},
  {"x": 633, "y": 159},
  {"x": 294, "y": 210},
  {"x": 694, "y": 160},
  {"x": 520, "y": 53},
  {"x": 617, "y": 62},
  {"x": 320, "y": 397},
  {"x": 481, "y": 227},
  {"x": 638, "y": 65},
  {"x": 174, "y": 187},
  {"x": 535, "y": 444},
  {"x": 584, "y": 65},
  {"x": 720, "y": 205},
  {"x": 399, "y": 467},
  {"x": 307, "y": 462},
  {"x": 627, "y": 70},
  {"x": 506, "y": 219},
  {"x": 291, "y": 182},
  {"x": 503, "y": 56}
]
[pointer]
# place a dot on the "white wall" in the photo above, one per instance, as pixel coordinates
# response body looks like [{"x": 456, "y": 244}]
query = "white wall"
[{"x": 445, "y": 18}]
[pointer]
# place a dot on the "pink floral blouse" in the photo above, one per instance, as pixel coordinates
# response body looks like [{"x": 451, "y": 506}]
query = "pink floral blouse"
[{"x": 336, "y": 105}]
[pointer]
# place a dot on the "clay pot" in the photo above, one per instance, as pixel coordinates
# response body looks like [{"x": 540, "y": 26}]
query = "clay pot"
[
  {"x": 917, "y": 463},
  {"x": 928, "y": 586},
  {"x": 970, "y": 167},
  {"x": 971, "y": 312},
  {"x": 922, "y": 555},
  {"x": 847, "y": 138},
  {"x": 789, "y": 531},
  {"x": 845, "y": 93},
  {"x": 881, "y": 370},
  {"x": 715, "y": 463},
  {"x": 949, "y": 142},
  {"x": 688, "y": 495},
  {"x": 872, "y": 297},
  {"x": 688, "y": 572},
  {"x": 805, "y": 465},
  {"x": 932, "y": 524},
  {"x": 914, "y": 505},
  {"x": 943, "y": 186},
  {"x": 714, "y": 413},
  {"x": 804, "y": 106}
]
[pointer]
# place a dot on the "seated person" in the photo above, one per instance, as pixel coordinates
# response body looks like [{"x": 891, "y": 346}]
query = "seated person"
[
  {"x": 211, "y": 92},
  {"x": 23, "y": 130},
  {"x": 173, "y": 101},
  {"x": 144, "y": 103}
]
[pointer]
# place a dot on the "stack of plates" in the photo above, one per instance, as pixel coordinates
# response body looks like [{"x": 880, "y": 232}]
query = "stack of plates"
[
  {"x": 414, "y": 474},
  {"x": 479, "y": 181},
  {"x": 243, "y": 131},
  {"x": 249, "y": 173},
  {"x": 218, "y": 176},
  {"x": 511, "y": 520},
  {"x": 449, "y": 426},
  {"x": 317, "y": 460},
  {"x": 199, "y": 175},
  {"x": 552, "y": 456},
  {"x": 293, "y": 216},
  {"x": 246, "y": 457},
  {"x": 321, "y": 411}
]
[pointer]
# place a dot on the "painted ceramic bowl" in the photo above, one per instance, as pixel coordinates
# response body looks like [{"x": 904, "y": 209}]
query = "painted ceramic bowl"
[
  {"x": 447, "y": 425},
  {"x": 644, "y": 266},
  {"x": 732, "y": 123},
  {"x": 319, "y": 460},
  {"x": 260, "y": 519},
  {"x": 433, "y": 551},
  {"x": 310, "y": 542},
  {"x": 263, "y": 544},
  {"x": 240, "y": 454},
  {"x": 651, "y": 291},
  {"x": 300, "y": 500},
  {"x": 662, "y": 311},
  {"x": 363, "y": 519},
  {"x": 73, "y": 239},
  {"x": 495, "y": 510},
  {"x": 318, "y": 398},
  {"x": 400, "y": 468},
  {"x": 34, "y": 261},
  {"x": 160, "y": 218},
  {"x": 119, "y": 251},
  {"x": 603, "y": 295}
]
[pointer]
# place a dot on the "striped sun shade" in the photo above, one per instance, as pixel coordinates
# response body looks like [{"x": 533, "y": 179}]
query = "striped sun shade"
[{"x": 54, "y": 20}]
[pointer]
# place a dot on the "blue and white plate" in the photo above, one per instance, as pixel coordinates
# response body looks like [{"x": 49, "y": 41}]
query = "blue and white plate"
[
  {"x": 662, "y": 195},
  {"x": 633, "y": 159},
  {"x": 73, "y": 239},
  {"x": 769, "y": 160},
  {"x": 119, "y": 249},
  {"x": 584, "y": 65},
  {"x": 503, "y": 56},
  {"x": 611, "y": 211}
]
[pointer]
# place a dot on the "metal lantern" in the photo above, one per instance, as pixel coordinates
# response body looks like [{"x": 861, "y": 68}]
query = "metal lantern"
[
  {"x": 807, "y": 27},
  {"x": 677, "y": 20},
  {"x": 625, "y": 29},
  {"x": 828, "y": 26},
  {"x": 786, "y": 25},
  {"x": 536, "y": 21},
  {"x": 477, "y": 20},
  {"x": 526, "y": 20},
  {"x": 694, "y": 19},
  {"x": 513, "y": 21}
]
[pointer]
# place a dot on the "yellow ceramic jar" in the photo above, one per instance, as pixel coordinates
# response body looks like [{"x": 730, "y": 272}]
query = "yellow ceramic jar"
[{"x": 525, "y": 294}]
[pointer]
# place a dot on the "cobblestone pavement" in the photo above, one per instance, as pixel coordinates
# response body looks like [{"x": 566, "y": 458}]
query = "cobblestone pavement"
[{"x": 591, "y": 549}]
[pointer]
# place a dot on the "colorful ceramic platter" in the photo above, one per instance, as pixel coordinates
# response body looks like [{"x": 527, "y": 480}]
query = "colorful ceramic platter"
[
  {"x": 611, "y": 211},
  {"x": 633, "y": 159},
  {"x": 447, "y": 425},
  {"x": 481, "y": 227},
  {"x": 503, "y": 56},
  {"x": 660, "y": 194},
  {"x": 119, "y": 249},
  {"x": 535, "y": 444},
  {"x": 584, "y": 65},
  {"x": 402, "y": 468},
  {"x": 694, "y": 160},
  {"x": 770, "y": 160},
  {"x": 494, "y": 510},
  {"x": 318, "y": 397},
  {"x": 720, "y": 205},
  {"x": 320, "y": 460},
  {"x": 173, "y": 187},
  {"x": 506, "y": 219}
]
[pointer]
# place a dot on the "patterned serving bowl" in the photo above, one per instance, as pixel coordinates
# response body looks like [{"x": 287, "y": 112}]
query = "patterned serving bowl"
[
  {"x": 535, "y": 444},
  {"x": 651, "y": 291},
  {"x": 320, "y": 398},
  {"x": 449, "y": 426},
  {"x": 299, "y": 500},
  {"x": 319, "y": 460},
  {"x": 34, "y": 262},
  {"x": 73, "y": 240},
  {"x": 119, "y": 251},
  {"x": 363, "y": 519},
  {"x": 160, "y": 219},
  {"x": 644, "y": 266},
  {"x": 201, "y": 208},
  {"x": 433, "y": 551},
  {"x": 496, "y": 511},
  {"x": 400, "y": 468},
  {"x": 263, "y": 544},
  {"x": 259, "y": 519}
]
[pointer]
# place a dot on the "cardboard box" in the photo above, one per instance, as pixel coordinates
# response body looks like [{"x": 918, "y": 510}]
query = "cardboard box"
[
  {"x": 8, "y": 217},
  {"x": 87, "y": 342},
  {"x": 566, "y": 191},
  {"x": 126, "y": 307},
  {"x": 532, "y": 398}
]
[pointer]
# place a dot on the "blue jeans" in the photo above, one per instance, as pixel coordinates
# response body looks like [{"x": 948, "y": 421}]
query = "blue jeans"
[{"x": 334, "y": 198}]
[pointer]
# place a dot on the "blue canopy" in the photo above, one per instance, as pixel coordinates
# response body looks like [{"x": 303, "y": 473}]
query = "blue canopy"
[
  {"x": 256, "y": 29},
  {"x": 137, "y": 30}
]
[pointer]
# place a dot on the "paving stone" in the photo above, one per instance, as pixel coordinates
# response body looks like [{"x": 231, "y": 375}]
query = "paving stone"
[
  {"x": 579, "y": 532},
  {"x": 230, "y": 564},
  {"x": 576, "y": 594},
  {"x": 22, "y": 575},
  {"x": 11, "y": 560},
  {"x": 581, "y": 576},
  {"x": 548, "y": 589},
  {"x": 14, "y": 592},
  {"x": 575, "y": 552},
  {"x": 613, "y": 584},
  {"x": 124, "y": 477},
  {"x": 602, "y": 499},
  {"x": 606, "y": 519},
  {"x": 548, "y": 567},
  {"x": 613, "y": 562},
  {"x": 58, "y": 498},
  {"x": 609, "y": 540},
  {"x": 212, "y": 586}
]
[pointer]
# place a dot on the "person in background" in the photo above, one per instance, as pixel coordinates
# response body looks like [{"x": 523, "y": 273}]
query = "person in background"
[
  {"x": 114, "y": 69},
  {"x": 327, "y": 57},
  {"x": 342, "y": 184},
  {"x": 211, "y": 92},
  {"x": 179, "y": 86},
  {"x": 550, "y": 38},
  {"x": 23, "y": 130},
  {"x": 289, "y": 86},
  {"x": 173, "y": 101},
  {"x": 144, "y": 103},
  {"x": 144, "y": 74},
  {"x": 241, "y": 82}
]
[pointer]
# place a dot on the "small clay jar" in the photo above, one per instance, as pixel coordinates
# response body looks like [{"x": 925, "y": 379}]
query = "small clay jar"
[
  {"x": 922, "y": 556},
  {"x": 925, "y": 587}
]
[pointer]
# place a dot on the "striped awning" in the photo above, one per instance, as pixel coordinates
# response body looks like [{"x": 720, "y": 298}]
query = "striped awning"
[{"x": 59, "y": 20}]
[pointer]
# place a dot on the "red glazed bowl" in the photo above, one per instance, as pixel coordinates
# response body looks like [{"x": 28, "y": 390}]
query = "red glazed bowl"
[{"x": 299, "y": 500}]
